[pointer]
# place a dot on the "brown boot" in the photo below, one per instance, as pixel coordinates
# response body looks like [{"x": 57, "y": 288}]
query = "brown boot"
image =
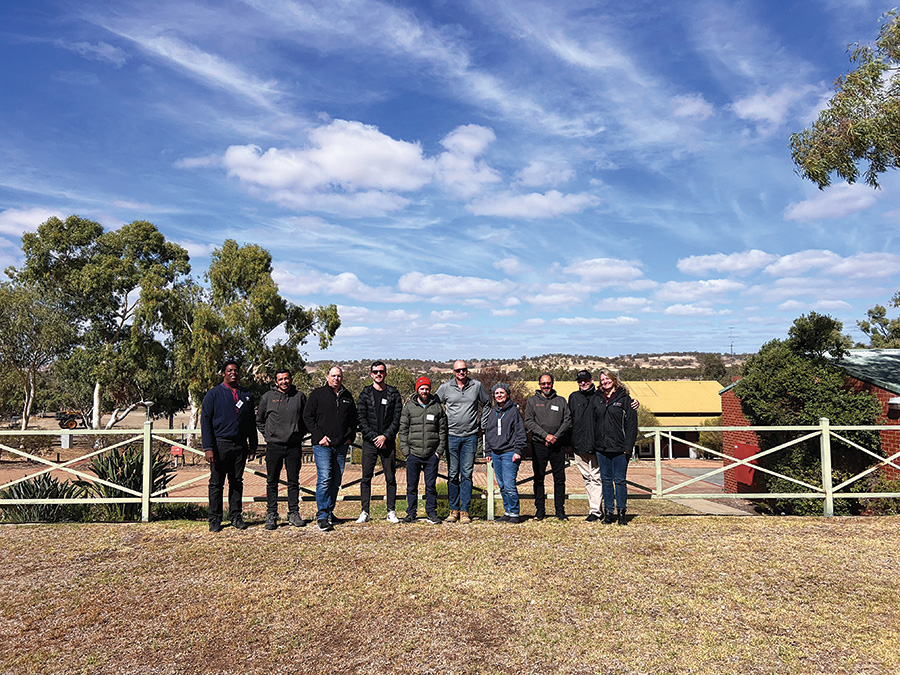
[
  {"x": 464, "y": 517},
  {"x": 452, "y": 518}
]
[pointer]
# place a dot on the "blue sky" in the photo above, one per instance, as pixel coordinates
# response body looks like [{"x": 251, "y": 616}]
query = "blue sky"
[{"x": 464, "y": 179}]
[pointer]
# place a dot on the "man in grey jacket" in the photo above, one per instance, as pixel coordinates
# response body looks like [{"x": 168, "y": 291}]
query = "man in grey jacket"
[
  {"x": 423, "y": 439},
  {"x": 280, "y": 421},
  {"x": 548, "y": 419}
]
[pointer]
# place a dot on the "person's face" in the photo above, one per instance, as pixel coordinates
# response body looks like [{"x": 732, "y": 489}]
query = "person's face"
[
  {"x": 424, "y": 391},
  {"x": 378, "y": 373},
  {"x": 335, "y": 378},
  {"x": 606, "y": 383},
  {"x": 500, "y": 396},
  {"x": 232, "y": 374},
  {"x": 584, "y": 384},
  {"x": 461, "y": 371},
  {"x": 546, "y": 384},
  {"x": 283, "y": 382}
]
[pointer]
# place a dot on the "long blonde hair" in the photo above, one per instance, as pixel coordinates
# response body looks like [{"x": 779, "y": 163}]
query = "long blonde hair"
[{"x": 614, "y": 376}]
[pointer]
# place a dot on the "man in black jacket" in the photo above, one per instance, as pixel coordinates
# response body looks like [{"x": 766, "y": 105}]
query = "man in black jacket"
[
  {"x": 378, "y": 413},
  {"x": 280, "y": 421},
  {"x": 548, "y": 419},
  {"x": 330, "y": 416}
]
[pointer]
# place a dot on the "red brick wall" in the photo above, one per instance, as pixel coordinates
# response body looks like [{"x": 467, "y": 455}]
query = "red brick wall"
[
  {"x": 890, "y": 440},
  {"x": 733, "y": 416}
]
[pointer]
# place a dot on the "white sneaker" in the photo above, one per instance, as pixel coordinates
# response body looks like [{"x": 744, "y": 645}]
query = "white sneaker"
[
  {"x": 392, "y": 517},
  {"x": 363, "y": 517}
]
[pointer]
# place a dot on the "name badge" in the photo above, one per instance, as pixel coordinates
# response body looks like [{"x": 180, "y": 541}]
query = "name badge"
[
  {"x": 239, "y": 405},
  {"x": 384, "y": 401},
  {"x": 554, "y": 408},
  {"x": 430, "y": 418}
]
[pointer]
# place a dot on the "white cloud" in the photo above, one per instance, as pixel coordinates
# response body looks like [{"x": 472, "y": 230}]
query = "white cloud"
[
  {"x": 693, "y": 291},
  {"x": 624, "y": 304},
  {"x": 538, "y": 173},
  {"x": 735, "y": 263},
  {"x": 445, "y": 285},
  {"x": 602, "y": 272},
  {"x": 832, "y": 306},
  {"x": 836, "y": 201},
  {"x": 458, "y": 168},
  {"x": 534, "y": 205},
  {"x": 511, "y": 266},
  {"x": 801, "y": 262},
  {"x": 504, "y": 312},
  {"x": 96, "y": 52},
  {"x": 205, "y": 162},
  {"x": 196, "y": 250},
  {"x": 299, "y": 283},
  {"x": 771, "y": 109},
  {"x": 688, "y": 310},
  {"x": 533, "y": 323},
  {"x": 594, "y": 321},
  {"x": 692, "y": 107},
  {"x": 793, "y": 306},
  {"x": 444, "y": 314},
  {"x": 16, "y": 222},
  {"x": 867, "y": 266}
]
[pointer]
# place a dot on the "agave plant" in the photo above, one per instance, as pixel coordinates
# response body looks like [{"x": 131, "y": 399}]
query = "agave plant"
[
  {"x": 42, "y": 487},
  {"x": 125, "y": 466}
]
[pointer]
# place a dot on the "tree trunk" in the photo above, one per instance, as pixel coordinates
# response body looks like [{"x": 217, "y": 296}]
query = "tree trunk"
[
  {"x": 26, "y": 407},
  {"x": 193, "y": 419},
  {"x": 119, "y": 414},
  {"x": 95, "y": 413}
]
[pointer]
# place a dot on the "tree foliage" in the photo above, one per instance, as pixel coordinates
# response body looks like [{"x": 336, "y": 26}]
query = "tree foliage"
[
  {"x": 861, "y": 124},
  {"x": 883, "y": 332}
]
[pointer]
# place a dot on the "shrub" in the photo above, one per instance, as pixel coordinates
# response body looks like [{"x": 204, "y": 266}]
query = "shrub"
[
  {"x": 179, "y": 511},
  {"x": 887, "y": 506},
  {"x": 124, "y": 466},
  {"x": 43, "y": 487}
]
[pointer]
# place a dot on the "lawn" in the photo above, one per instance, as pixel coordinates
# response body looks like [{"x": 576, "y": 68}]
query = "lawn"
[{"x": 667, "y": 594}]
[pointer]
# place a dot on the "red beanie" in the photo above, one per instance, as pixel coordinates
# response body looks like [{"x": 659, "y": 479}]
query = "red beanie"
[{"x": 422, "y": 380}]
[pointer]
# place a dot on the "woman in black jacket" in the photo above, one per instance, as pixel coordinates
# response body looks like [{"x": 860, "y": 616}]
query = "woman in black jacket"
[{"x": 615, "y": 429}]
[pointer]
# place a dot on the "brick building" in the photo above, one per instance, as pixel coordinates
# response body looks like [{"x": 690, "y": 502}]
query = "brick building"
[{"x": 873, "y": 370}]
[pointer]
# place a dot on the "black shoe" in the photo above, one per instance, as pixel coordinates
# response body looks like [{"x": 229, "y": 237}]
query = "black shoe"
[
  {"x": 295, "y": 519},
  {"x": 502, "y": 519},
  {"x": 592, "y": 518},
  {"x": 410, "y": 518},
  {"x": 325, "y": 526},
  {"x": 215, "y": 526},
  {"x": 271, "y": 521},
  {"x": 433, "y": 519},
  {"x": 238, "y": 523},
  {"x": 562, "y": 516},
  {"x": 609, "y": 518},
  {"x": 513, "y": 520},
  {"x": 622, "y": 519},
  {"x": 540, "y": 515}
]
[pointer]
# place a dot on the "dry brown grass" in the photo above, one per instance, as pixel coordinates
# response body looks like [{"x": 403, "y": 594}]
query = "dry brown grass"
[{"x": 664, "y": 595}]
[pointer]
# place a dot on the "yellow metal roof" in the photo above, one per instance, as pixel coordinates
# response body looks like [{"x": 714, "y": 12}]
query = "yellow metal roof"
[{"x": 674, "y": 402}]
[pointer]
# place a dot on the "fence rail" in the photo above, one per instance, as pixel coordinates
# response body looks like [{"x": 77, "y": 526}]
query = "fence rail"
[{"x": 824, "y": 431}]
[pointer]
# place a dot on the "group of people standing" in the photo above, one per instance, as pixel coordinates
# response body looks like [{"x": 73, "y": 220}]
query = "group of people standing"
[{"x": 599, "y": 425}]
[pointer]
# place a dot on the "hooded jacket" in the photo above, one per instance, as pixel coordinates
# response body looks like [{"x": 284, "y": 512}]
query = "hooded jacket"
[
  {"x": 504, "y": 430},
  {"x": 615, "y": 422},
  {"x": 423, "y": 428},
  {"x": 581, "y": 405},
  {"x": 548, "y": 415},
  {"x": 280, "y": 416}
]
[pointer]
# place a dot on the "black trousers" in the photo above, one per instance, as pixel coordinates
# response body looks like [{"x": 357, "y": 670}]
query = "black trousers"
[
  {"x": 415, "y": 466},
  {"x": 556, "y": 455},
  {"x": 288, "y": 456},
  {"x": 229, "y": 463},
  {"x": 370, "y": 455}
]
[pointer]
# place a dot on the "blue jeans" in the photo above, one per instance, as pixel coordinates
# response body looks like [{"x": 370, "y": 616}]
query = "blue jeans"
[
  {"x": 329, "y": 471},
  {"x": 506, "y": 470},
  {"x": 612, "y": 477},
  {"x": 415, "y": 466},
  {"x": 460, "y": 465}
]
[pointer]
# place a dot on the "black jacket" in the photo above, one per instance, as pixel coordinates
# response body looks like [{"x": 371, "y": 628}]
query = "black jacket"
[
  {"x": 615, "y": 423},
  {"x": 330, "y": 414},
  {"x": 581, "y": 405},
  {"x": 370, "y": 400},
  {"x": 548, "y": 416},
  {"x": 280, "y": 416}
]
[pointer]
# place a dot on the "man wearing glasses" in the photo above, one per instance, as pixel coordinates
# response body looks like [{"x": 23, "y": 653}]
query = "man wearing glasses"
[
  {"x": 330, "y": 416},
  {"x": 463, "y": 399},
  {"x": 378, "y": 411},
  {"x": 548, "y": 419}
]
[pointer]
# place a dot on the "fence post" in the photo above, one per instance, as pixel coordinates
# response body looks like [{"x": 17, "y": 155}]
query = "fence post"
[
  {"x": 490, "y": 490},
  {"x": 825, "y": 446},
  {"x": 145, "y": 493},
  {"x": 657, "y": 461}
]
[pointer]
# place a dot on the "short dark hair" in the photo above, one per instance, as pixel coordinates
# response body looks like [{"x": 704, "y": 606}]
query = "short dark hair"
[
  {"x": 378, "y": 363},
  {"x": 230, "y": 362},
  {"x": 283, "y": 370},
  {"x": 543, "y": 375}
]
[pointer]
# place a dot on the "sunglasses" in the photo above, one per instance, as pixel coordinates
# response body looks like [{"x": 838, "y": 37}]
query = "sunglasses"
[{"x": 460, "y": 370}]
